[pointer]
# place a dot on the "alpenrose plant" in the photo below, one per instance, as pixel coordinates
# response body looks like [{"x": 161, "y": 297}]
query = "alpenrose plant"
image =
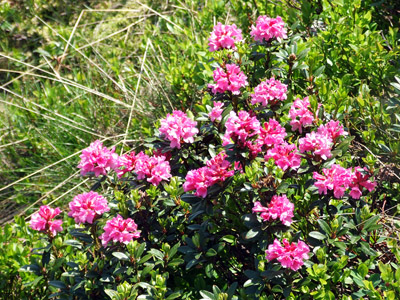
[{"x": 256, "y": 197}]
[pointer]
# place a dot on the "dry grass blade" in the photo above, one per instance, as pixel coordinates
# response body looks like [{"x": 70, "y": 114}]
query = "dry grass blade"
[
  {"x": 136, "y": 91},
  {"x": 88, "y": 59}
]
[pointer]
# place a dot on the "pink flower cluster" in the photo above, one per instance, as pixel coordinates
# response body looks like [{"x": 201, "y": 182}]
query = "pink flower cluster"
[
  {"x": 43, "y": 220},
  {"x": 317, "y": 143},
  {"x": 216, "y": 111},
  {"x": 279, "y": 207},
  {"x": 178, "y": 128},
  {"x": 240, "y": 128},
  {"x": 218, "y": 169},
  {"x": 87, "y": 206},
  {"x": 269, "y": 91},
  {"x": 224, "y": 37},
  {"x": 231, "y": 79},
  {"x": 271, "y": 134},
  {"x": 332, "y": 129},
  {"x": 301, "y": 114},
  {"x": 154, "y": 168},
  {"x": 285, "y": 156},
  {"x": 340, "y": 179},
  {"x": 98, "y": 159},
  {"x": 119, "y": 230},
  {"x": 268, "y": 28},
  {"x": 289, "y": 255}
]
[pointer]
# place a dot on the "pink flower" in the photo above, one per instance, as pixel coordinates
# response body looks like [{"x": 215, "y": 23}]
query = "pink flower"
[
  {"x": 318, "y": 144},
  {"x": 159, "y": 152},
  {"x": 301, "y": 114},
  {"x": 268, "y": 28},
  {"x": 43, "y": 220},
  {"x": 119, "y": 230},
  {"x": 289, "y": 255},
  {"x": 216, "y": 111},
  {"x": 155, "y": 168},
  {"x": 198, "y": 180},
  {"x": 87, "y": 206},
  {"x": 333, "y": 129},
  {"x": 360, "y": 180},
  {"x": 263, "y": 210},
  {"x": 279, "y": 207},
  {"x": 159, "y": 170},
  {"x": 269, "y": 91},
  {"x": 178, "y": 128},
  {"x": 336, "y": 178},
  {"x": 98, "y": 159},
  {"x": 127, "y": 162},
  {"x": 219, "y": 168},
  {"x": 228, "y": 79},
  {"x": 272, "y": 133},
  {"x": 285, "y": 156},
  {"x": 340, "y": 179},
  {"x": 240, "y": 128},
  {"x": 224, "y": 37}
]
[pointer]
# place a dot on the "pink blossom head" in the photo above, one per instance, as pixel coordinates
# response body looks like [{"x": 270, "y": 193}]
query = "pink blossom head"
[
  {"x": 360, "y": 180},
  {"x": 126, "y": 164},
  {"x": 86, "y": 207},
  {"x": 317, "y": 144},
  {"x": 279, "y": 208},
  {"x": 216, "y": 112},
  {"x": 285, "y": 155},
  {"x": 199, "y": 180},
  {"x": 290, "y": 256},
  {"x": 120, "y": 230},
  {"x": 272, "y": 133},
  {"x": 268, "y": 28},
  {"x": 229, "y": 78},
  {"x": 98, "y": 159},
  {"x": 159, "y": 170},
  {"x": 178, "y": 128},
  {"x": 301, "y": 115},
  {"x": 332, "y": 129},
  {"x": 336, "y": 179},
  {"x": 240, "y": 128},
  {"x": 262, "y": 209},
  {"x": 270, "y": 92},
  {"x": 43, "y": 220},
  {"x": 224, "y": 37},
  {"x": 219, "y": 169}
]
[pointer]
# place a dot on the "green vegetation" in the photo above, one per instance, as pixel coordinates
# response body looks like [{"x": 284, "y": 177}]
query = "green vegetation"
[{"x": 76, "y": 71}]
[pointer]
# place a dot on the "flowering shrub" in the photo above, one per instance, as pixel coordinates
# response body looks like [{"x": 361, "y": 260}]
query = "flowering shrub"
[{"x": 181, "y": 216}]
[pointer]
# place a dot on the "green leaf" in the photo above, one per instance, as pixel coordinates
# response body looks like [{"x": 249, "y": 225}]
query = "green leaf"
[
  {"x": 211, "y": 252},
  {"x": 58, "y": 284},
  {"x": 370, "y": 224},
  {"x": 252, "y": 233},
  {"x": 112, "y": 294},
  {"x": 319, "y": 71},
  {"x": 362, "y": 270},
  {"x": 121, "y": 256},
  {"x": 324, "y": 226},
  {"x": 317, "y": 235},
  {"x": 173, "y": 296},
  {"x": 207, "y": 295}
]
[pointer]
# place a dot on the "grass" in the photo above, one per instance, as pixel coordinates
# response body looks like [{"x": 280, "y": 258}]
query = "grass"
[{"x": 87, "y": 83}]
